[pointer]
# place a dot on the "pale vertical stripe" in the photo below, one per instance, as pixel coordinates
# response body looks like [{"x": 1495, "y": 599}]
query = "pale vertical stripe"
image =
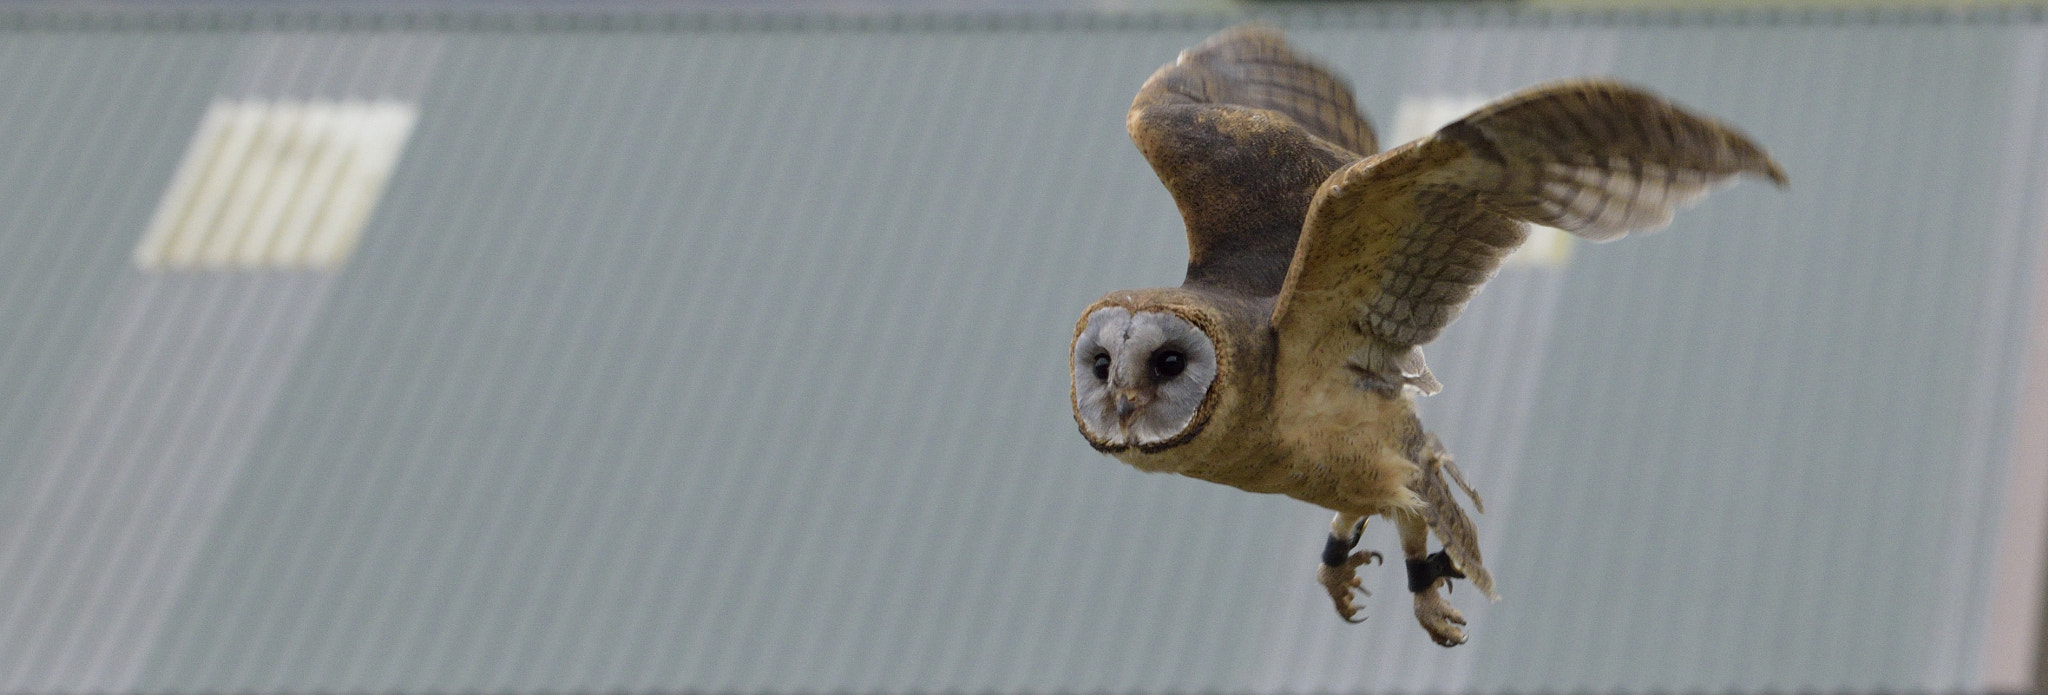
[
  {"x": 107, "y": 134},
  {"x": 1804, "y": 513},
  {"x": 2011, "y": 639},
  {"x": 133, "y": 476},
  {"x": 1993, "y": 353},
  {"x": 443, "y": 563},
  {"x": 138, "y": 458},
  {"x": 303, "y": 501},
  {"x": 43, "y": 498},
  {"x": 72, "y": 117},
  {"x": 133, "y": 499},
  {"x": 218, "y": 427},
  {"x": 298, "y": 555}
]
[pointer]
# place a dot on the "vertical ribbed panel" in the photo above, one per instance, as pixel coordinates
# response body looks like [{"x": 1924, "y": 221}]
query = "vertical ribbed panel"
[
  {"x": 142, "y": 445},
  {"x": 704, "y": 385},
  {"x": 86, "y": 116},
  {"x": 729, "y": 360},
  {"x": 80, "y": 106},
  {"x": 1968, "y": 635},
  {"x": 1767, "y": 442},
  {"x": 2012, "y": 633},
  {"x": 142, "y": 449}
]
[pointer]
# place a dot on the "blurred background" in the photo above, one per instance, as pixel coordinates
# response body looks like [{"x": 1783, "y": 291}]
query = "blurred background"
[{"x": 721, "y": 347}]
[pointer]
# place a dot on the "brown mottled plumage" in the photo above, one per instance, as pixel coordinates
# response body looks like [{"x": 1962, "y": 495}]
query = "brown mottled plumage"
[{"x": 1288, "y": 359}]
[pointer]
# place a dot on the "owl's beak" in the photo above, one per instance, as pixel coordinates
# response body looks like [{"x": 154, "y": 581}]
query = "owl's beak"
[{"x": 1127, "y": 404}]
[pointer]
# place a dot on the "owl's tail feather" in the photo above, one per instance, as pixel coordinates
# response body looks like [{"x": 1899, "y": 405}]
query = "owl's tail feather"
[
  {"x": 1458, "y": 476},
  {"x": 1447, "y": 519}
]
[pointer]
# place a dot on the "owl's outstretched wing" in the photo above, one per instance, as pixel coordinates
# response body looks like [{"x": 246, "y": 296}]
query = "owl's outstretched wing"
[
  {"x": 1242, "y": 130},
  {"x": 1395, "y": 244},
  {"x": 1253, "y": 66}
]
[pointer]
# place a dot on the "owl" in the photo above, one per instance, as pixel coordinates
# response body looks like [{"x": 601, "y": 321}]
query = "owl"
[{"x": 1289, "y": 358}]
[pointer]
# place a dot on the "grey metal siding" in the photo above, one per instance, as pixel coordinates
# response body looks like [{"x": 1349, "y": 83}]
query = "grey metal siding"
[
  {"x": 1788, "y": 384},
  {"x": 84, "y": 113},
  {"x": 711, "y": 356}
]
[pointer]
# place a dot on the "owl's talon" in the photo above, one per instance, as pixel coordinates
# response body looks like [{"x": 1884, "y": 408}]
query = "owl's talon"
[
  {"x": 1341, "y": 578},
  {"x": 1439, "y": 619}
]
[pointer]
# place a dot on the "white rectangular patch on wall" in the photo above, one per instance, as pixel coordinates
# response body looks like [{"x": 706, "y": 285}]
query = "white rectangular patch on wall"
[
  {"x": 276, "y": 185},
  {"x": 1418, "y": 116}
]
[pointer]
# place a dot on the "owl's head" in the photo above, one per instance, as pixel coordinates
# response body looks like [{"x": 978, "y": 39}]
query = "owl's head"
[{"x": 1144, "y": 373}]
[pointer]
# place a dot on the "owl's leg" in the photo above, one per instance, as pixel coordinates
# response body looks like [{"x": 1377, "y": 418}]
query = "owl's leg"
[
  {"x": 1339, "y": 571},
  {"x": 1426, "y": 572}
]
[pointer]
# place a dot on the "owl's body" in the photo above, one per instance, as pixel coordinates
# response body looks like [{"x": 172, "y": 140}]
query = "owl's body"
[
  {"x": 1288, "y": 360},
  {"x": 1315, "y": 437}
]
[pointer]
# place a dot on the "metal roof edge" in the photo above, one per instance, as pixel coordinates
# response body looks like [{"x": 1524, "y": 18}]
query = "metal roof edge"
[{"x": 458, "y": 16}]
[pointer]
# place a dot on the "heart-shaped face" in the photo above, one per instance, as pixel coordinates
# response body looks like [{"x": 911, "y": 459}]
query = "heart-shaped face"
[{"x": 1140, "y": 378}]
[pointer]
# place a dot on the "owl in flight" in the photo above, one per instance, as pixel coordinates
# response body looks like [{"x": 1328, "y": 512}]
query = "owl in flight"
[{"x": 1288, "y": 359}]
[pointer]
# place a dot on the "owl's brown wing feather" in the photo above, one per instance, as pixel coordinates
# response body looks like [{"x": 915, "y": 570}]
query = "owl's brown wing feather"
[
  {"x": 1242, "y": 130},
  {"x": 1253, "y": 66},
  {"x": 1395, "y": 244}
]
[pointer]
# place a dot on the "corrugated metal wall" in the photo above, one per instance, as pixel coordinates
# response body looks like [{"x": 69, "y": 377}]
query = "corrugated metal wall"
[{"x": 690, "y": 353}]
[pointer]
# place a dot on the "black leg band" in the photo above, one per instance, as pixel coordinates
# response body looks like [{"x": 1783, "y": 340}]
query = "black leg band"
[
  {"x": 1337, "y": 550},
  {"x": 1424, "y": 572}
]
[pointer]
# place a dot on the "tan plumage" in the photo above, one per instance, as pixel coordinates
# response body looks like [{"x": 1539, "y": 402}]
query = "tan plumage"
[{"x": 1287, "y": 360}]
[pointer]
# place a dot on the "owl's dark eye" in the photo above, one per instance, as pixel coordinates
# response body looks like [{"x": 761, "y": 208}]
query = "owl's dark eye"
[
  {"x": 1102, "y": 367},
  {"x": 1167, "y": 364}
]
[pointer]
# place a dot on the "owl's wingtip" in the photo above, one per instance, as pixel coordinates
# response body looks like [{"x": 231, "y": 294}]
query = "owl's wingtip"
[
  {"x": 1776, "y": 174},
  {"x": 1757, "y": 161}
]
